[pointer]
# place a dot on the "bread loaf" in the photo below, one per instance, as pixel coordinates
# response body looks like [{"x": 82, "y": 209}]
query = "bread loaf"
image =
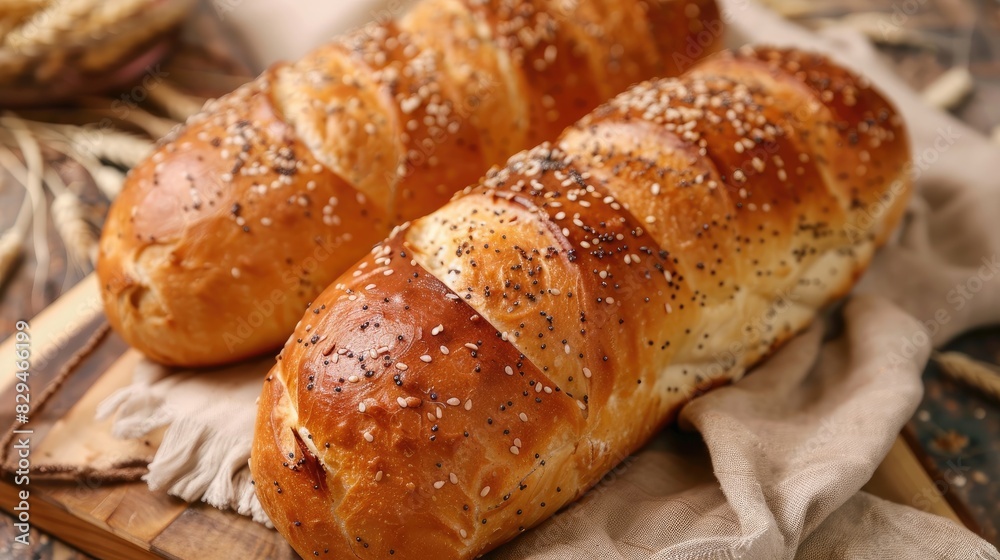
[
  {"x": 489, "y": 363},
  {"x": 238, "y": 220}
]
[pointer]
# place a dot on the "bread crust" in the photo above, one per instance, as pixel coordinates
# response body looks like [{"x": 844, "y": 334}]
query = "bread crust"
[
  {"x": 321, "y": 157},
  {"x": 490, "y": 362}
]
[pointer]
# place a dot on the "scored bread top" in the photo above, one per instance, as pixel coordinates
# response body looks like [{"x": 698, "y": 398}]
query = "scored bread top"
[
  {"x": 488, "y": 363},
  {"x": 242, "y": 216}
]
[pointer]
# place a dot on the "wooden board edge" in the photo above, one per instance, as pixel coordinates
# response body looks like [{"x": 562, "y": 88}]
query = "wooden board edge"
[
  {"x": 902, "y": 479},
  {"x": 54, "y": 326},
  {"x": 78, "y": 532}
]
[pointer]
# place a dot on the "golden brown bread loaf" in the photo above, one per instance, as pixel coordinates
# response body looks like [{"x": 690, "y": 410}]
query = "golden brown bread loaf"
[
  {"x": 223, "y": 236},
  {"x": 488, "y": 363}
]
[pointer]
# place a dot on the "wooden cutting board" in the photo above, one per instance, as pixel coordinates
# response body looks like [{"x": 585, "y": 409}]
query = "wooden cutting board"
[{"x": 116, "y": 520}]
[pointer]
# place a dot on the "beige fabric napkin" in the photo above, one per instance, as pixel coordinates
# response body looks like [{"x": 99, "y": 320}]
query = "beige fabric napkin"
[
  {"x": 790, "y": 446},
  {"x": 787, "y": 449}
]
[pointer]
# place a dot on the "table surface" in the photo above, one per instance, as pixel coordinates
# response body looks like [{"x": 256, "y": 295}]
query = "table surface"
[{"x": 958, "y": 429}]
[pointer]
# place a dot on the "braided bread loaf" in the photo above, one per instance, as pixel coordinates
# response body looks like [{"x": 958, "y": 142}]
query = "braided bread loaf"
[
  {"x": 223, "y": 236},
  {"x": 488, "y": 363}
]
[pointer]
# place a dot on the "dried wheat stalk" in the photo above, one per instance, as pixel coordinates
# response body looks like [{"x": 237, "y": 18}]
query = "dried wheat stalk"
[
  {"x": 177, "y": 105},
  {"x": 31, "y": 178},
  {"x": 12, "y": 240},
  {"x": 76, "y": 232},
  {"x": 15, "y": 12},
  {"x": 11, "y": 243},
  {"x": 84, "y": 146},
  {"x": 949, "y": 89},
  {"x": 115, "y": 146},
  {"x": 979, "y": 375},
  {"x": 120, "y": 148},
  {"x": 155, "y": 127},
  {"x": 69, "y": 21},
  {"x": 45, "y": 26},
  {"x": 108, "y": 179},
  {"x": 70, "y": 217}
]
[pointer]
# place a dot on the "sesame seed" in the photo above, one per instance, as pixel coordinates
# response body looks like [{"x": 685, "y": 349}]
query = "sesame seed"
[
  {"x": 369, "y": 437},
  {"x": 454, "y": 401},
  {"x": 538, "y": 387},
  {"x": 655, "y": 189},
  {"x": 362, "y": 407},
  {"x": 378, "y": 476},
  {"x": 486, "y": 490},
  {"x": 354, "y": 379},
  {"x": 437, "y": 330},
  {"x": 401, "y": 366},
  {"x": 235, "y": 272},
  {"x": 410, "y": 104},
  {"x": 444, "y": 350},
  {"x": 463, "y": 533},
  {"x": 508, "y": 370},
  {"x": 468, "y": 404},
  {"x": 401, "y": 402},
  {"x": 517, "y": 442},
  {"x": 650, "y": 219},
  {"x": 425, "y": 358},
  {"x": 453, "y": 478},
  {"x": 471, "y": 346},
  {"x": 514, "y": 450},
  {"x": 439, "y": 484},
  {"x": 581, "y": 405},
  {"x": 412, "y": 402},
  {"x": 388, "y": 272},
  {"x": 523, "y": 417},
  {"x": 586, "y": 371}
]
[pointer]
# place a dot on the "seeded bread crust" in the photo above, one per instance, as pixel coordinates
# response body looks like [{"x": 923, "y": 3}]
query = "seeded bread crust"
[
  {"x": 243, "y": 216},
  {"x": 488, "y": 363}
]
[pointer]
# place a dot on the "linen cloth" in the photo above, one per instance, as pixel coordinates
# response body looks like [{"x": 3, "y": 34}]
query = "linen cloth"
[{"x": 786, "y": 449}]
